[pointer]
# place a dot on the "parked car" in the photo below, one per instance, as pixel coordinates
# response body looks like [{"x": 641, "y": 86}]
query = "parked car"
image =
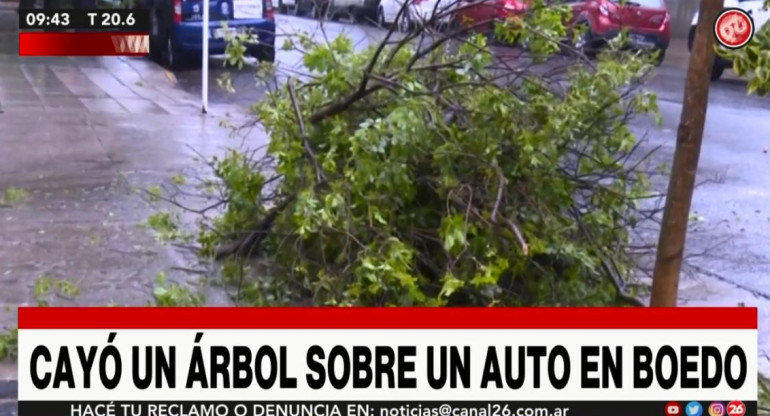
[
  {"x": 648, "y": 23},
  {"x": 176, "y": 32},
  {"x": 752, "y": 7}
]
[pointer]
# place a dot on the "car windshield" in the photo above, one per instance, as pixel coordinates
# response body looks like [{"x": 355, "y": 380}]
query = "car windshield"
[{"x": 643, "y": 3}]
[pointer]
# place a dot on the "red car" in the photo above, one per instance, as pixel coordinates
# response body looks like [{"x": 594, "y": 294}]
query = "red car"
[
  {"x": 647, "y": 21},
  {"x": 480, "y": 14}
]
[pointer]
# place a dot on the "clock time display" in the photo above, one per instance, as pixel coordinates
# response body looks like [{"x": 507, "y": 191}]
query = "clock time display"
[{"x": 41, "y": 19}]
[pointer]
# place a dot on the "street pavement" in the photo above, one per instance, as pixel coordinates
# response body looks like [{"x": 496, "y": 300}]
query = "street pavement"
[
  {"x": 84, "y": 137},
  {"x": 84, "y": 134}
]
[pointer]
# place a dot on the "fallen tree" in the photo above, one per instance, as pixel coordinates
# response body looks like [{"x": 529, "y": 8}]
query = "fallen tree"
[{"x": 429, "y": 169}]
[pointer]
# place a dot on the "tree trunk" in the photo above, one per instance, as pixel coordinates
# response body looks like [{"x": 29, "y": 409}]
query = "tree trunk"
[{"x": 673, "y": 233}]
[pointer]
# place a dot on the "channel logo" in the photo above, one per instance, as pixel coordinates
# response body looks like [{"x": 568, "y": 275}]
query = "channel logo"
[
  {"x": 693, "y": 409},
  {"x": 736, "y": 408},
  {"x": 716, "y": 409},
  {"x": 673, "y": 409}
]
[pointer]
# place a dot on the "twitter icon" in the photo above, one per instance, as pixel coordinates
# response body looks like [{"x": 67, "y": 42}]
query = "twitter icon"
[{"x": 693, "y": 409}]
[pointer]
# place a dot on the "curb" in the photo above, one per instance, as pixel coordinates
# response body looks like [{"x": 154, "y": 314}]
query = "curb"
[
  {"x": 9, "y": 392},
  {"x": 9, "y": 389},
  {"x": 8, "y": 408},
  {"x": 9, "y": 386}
]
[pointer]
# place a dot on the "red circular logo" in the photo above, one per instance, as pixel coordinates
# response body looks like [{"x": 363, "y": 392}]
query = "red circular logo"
[
  {"x": 734, "y": 28},
  {"x": 736, "y": 408}
]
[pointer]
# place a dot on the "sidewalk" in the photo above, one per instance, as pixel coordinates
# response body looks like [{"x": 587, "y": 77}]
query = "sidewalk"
[{"x": 81, "y": 136}]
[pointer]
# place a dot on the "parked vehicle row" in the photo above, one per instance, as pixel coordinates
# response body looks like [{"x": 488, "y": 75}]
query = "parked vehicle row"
[
  {"x": 647, "y": 21},
  {"x": 176, "y": 37}
]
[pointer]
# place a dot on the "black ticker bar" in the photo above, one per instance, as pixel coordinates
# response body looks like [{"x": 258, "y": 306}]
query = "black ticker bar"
[
  {"x": 85, "y": 19},
  {"x": 383, "y": 408}
]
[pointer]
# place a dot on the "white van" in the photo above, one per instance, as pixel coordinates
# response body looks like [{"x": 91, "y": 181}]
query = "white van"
[{"x": 754, "y": 8}]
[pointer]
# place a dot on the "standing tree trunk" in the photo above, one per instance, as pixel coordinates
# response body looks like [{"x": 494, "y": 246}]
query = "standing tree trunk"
[{"x": 673, "y": 233}]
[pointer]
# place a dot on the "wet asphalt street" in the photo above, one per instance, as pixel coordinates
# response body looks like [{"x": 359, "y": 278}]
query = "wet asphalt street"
[{"x": 95, "y": 129}]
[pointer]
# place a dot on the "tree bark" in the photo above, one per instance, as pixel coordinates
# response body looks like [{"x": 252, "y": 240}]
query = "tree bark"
[{"x": 673, "y": 233}]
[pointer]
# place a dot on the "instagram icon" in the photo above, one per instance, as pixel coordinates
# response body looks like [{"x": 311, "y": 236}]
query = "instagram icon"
[{"x": 716, "y": 409}]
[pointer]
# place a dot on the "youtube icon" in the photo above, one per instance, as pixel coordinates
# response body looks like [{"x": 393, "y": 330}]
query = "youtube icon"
[{"x": 673, "y": 409}]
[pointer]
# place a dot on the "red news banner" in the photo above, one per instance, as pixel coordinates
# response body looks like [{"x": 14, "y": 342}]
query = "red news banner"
[
  {"x": 83, "y": 44},
  {"x": 387, "y": 361}
]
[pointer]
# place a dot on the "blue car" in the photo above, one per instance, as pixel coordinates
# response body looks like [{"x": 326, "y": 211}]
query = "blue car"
[{"x": 176, "y": 39}]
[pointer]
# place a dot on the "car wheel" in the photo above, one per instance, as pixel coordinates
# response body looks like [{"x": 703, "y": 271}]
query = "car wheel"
[
  {"x": 404, "y": 23},
  {"x": 263, "y": 53},
  {"x": 282, "y": 7},
  {"x": 717, "y": 71},
  {"x": 381, "y": 18},
  {"x": 155, "y": 50},
  {"x": 171, "y": 58},
  {"x": 584, "y": 43},
  {"x": 334, "y": 13},
  {"x": 351, "y": 13},
  {"x": 454, "y": 23},
  {"x": 174, "y": 59},
  {"x": 319, "y": 9},
  {"x": 661, "y": 57}
]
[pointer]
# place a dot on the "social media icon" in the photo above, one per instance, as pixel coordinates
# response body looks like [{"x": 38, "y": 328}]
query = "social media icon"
[
  {"x": 716, "y": 409},
  {"x": 673, "y": 409},
  {"x": 736, "y": 408},
  {"x": 693, "y": 409}
]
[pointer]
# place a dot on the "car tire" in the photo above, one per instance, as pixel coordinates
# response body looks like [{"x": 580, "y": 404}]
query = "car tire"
[
  {"x": 585, "y": 43},
  {"x": 661, "y": 57},
  {"x": 720, "y": 64},
  {"x": 717, "y": 70},
  {"x": 381, "y": 22},
  {"x": 155, "y": 50},
  {"x": 264, "y": 53},
  {"x": 172, "y": 57},
  {"x": 334, "y": 13},
  {"x": 404, "y": 25},
  {"x": 319, "y": 9},
  {"x": 454, "y": 24},
  {"x": 282, "y": 9},
  {"x": 691, "y": 38}
]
